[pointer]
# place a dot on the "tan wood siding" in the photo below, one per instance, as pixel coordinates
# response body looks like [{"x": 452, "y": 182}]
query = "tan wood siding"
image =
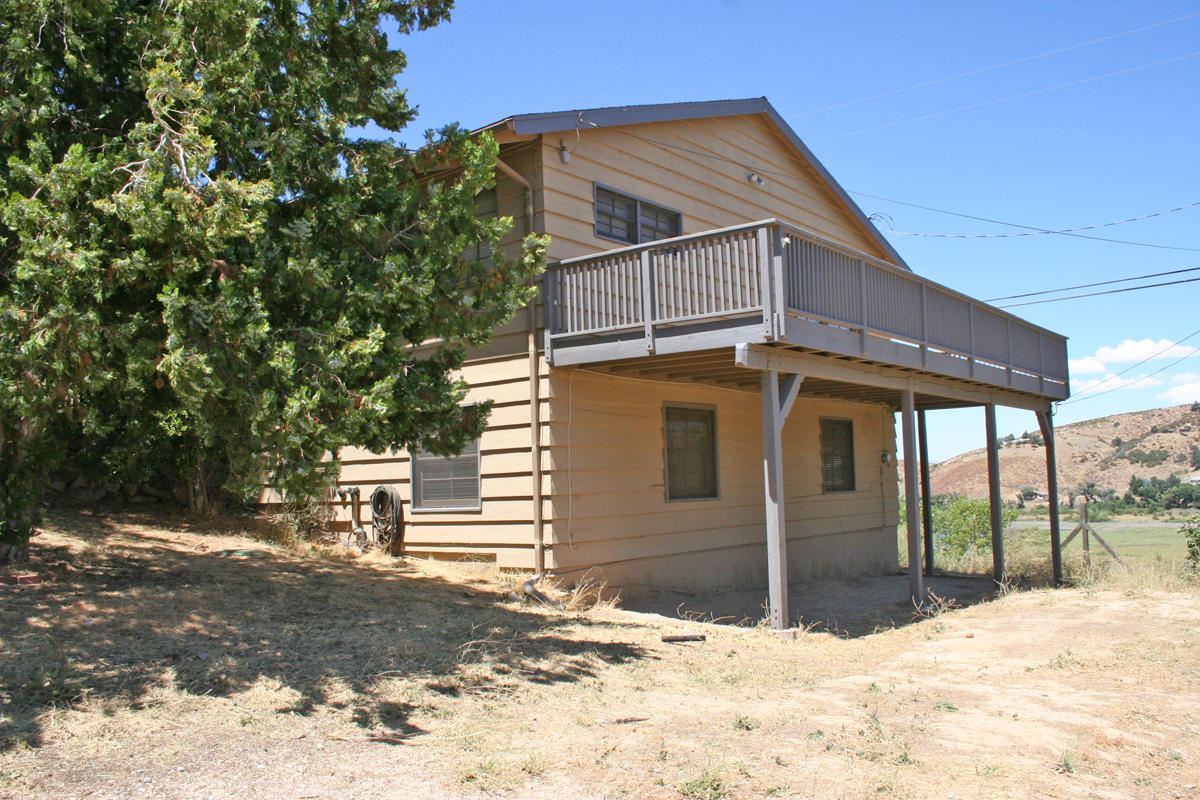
[
  {"x": 609, "y": 500},
  {"x": 501, "y": 529},
  {"x": 697, "y": 167}
]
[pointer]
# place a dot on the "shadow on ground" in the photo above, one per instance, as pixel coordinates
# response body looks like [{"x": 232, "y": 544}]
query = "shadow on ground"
[
  {"x": 849, "y": 607},
  {"x": 127, "y": 610}
]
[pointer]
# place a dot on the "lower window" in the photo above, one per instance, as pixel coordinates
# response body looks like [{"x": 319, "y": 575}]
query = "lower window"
[
  {"x": 691, "y": 452},
  {"x": 837, "y": 455},
  {"x": 446, "y": 482}
]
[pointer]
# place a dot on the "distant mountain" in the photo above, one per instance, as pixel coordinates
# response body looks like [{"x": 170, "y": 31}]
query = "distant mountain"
[{"x": 1107, "y": 451}]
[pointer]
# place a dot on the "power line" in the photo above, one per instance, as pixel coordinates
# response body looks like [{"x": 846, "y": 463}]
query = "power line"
[
  {"x": 1025, "y": 227},
  {"x": 1097, "y": 294},
  {"x": 989, "y": 69},
  {"x": 1006, "y": 99},
  {"x": 1090, "y": 285},
  {"x": 1093, "y": 394},
  {"x": 1048, "y": 232},
  {"x": 768, "y": 171}
]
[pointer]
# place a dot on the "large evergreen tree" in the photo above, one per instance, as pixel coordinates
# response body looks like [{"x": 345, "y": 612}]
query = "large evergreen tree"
[{"x": 200, "y": 266}]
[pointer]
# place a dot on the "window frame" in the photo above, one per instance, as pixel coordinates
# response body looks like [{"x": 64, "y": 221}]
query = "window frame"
[
  {"x": 415, "y": 454},
  {"x": 826, "y": 488},
  {"x": 482, "y": 251},
  {"x": 638, "y": 202},
  {"x": 716, "y": 453}
]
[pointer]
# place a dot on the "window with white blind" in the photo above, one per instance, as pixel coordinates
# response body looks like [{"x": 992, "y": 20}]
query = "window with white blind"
[
  {"x": 630, "y": 219},
  {"x": 446, "y": 483},
  {"x": 691, "y": 452},
  {"x": 837, "y": 455}
]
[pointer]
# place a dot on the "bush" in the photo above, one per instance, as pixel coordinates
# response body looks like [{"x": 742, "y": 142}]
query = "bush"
[
  {"x": 960, "y": 524},
  {"x": 1150, "y": 459},
  {"x": 1191, "y": 537}
]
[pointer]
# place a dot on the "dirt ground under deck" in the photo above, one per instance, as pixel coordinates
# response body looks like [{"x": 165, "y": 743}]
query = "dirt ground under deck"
[{"x": 847, "y": 607}]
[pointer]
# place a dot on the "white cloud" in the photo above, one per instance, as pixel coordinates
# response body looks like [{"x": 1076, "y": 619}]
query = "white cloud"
[
  {"x": 1113, "y": 383},
  {"x": 1185, "y": 393},
  {"x": 1083, "y": 366},
  {"x": 1130, "y": 350},
  {"x": 1185, "y": 377}
]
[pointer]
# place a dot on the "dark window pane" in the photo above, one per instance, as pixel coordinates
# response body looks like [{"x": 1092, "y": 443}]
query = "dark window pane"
[
  {"x": 837, "y": 455},
  {"x": 616, "y": 216},
  {"x": 691, "y": 453},
  {"x": 486, "y": 205},
  {"x": 658, "y": 223}
]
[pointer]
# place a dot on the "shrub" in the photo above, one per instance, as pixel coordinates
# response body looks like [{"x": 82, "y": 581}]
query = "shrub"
[
  {"x": 1149, "y": 459},
  {"x": 961, "y": 524},
  {"x": 1191, "y": 537}
]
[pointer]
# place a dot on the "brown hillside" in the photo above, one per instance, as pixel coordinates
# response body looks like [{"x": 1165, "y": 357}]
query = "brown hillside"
[{"x": 1086, "y": 454}]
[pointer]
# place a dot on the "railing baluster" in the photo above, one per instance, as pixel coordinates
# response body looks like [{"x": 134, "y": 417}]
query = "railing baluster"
[{"x": 744, "y": 270}]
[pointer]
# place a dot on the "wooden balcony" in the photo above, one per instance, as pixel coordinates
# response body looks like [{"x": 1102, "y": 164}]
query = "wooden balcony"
[{"x": 766, "y": 285}]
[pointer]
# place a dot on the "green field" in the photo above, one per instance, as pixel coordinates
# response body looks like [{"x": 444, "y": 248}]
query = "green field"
[{"x": 1132, "y": 539}]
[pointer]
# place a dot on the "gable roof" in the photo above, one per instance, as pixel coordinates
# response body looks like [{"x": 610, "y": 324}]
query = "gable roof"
[{"x": 549, "y": 122}]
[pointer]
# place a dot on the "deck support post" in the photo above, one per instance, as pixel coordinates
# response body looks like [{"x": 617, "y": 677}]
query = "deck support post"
[
  {"x": 777, "y": 399},
  {"x": 916, "y": 584},
  {"x": 994, "y": 502},
  {"x": 926, "y": 494},
  {"x": 1047, "y": 425}
]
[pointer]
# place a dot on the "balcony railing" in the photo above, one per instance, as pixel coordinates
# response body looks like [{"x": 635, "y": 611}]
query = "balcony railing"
[{"x": 777, "y": 282}]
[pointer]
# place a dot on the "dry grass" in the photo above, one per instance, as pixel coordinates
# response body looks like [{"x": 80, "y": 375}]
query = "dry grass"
[{"x": 161, "y": 659}]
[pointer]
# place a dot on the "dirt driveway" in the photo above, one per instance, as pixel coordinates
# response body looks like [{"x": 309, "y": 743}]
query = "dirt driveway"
[{"x": 164, "y": 661}]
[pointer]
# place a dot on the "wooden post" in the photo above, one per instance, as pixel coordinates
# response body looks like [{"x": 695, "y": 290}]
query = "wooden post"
[
  {"x": 993, "y": 464},
  {"x": 1047, "y": 426},
  {"x": 916, "y": 584},
  {"x": 1085, "y": 528},
  {"x": 777, "y": 563},
  {"x": 926, "y": 503}
]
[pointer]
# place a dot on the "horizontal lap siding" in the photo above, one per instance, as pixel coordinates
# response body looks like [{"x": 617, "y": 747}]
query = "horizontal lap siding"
[
  {"x": 502, "y": 530},
  {"x": 609, "y": 507},
  {"x": 707, "y": 185}
]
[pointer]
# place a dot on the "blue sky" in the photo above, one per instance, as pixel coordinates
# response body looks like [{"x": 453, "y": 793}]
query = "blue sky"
[{"x": 1099, "y": 132}]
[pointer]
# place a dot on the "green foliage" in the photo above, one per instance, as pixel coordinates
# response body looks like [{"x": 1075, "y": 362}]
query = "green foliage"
[
  {"x": 1161, "y": 493},
  {"x": 1191, "y": 537},
  {"x": 961, "y": 524},
  {"x": 1150, "y": 459},
  {"x": 202, "y": 272},
  {"x": 1194, "y": 457}
]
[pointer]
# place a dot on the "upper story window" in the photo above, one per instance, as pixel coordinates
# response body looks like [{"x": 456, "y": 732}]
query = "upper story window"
[
  {"x": 486, "y": 206},
  {"x": 629, "y": 219},
  {"x": 837, "y": 455}
]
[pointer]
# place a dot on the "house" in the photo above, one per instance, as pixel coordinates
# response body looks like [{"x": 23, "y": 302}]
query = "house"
[{"x": 709, "y": 282}]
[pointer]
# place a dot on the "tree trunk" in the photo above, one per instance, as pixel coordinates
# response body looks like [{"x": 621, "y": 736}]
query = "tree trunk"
[{"x": 14, "y": 553}]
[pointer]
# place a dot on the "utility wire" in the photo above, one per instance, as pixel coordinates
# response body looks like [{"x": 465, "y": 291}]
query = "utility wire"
[
  {"x": 1090, "y": 285},
  {"x": 1048, "y": 232},
  {"x": 768, "y": 171},
  {"x": 1092, "y": 394},
  {"x": 1096, "y": 294},
  {"x": 989, "y": 69},
  {"x": 1006, "y": 99},
  {"x": 1018, "y": 225}
]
